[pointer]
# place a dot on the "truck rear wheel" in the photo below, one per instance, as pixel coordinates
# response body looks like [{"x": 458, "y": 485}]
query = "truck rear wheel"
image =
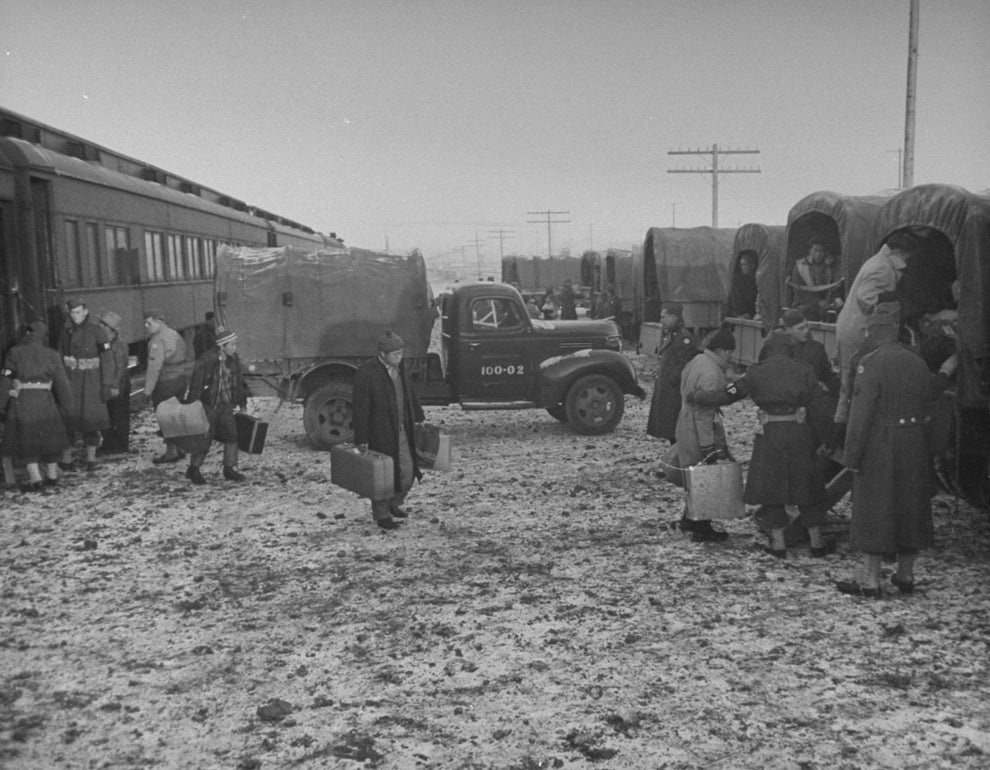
[
  {"x": 328, "y": 414},
  {"x": 594, "y": 405}
]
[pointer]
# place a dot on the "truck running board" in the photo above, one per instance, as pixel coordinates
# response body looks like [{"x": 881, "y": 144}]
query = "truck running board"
[{"x": 469, "y": 405}]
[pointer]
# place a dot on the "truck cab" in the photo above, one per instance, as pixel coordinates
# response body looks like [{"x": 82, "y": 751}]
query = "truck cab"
[{"x": 494, "y": 356}]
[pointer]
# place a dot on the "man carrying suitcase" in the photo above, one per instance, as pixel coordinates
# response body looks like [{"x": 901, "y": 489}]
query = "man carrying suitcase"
[{"x": 385, "y": 408}]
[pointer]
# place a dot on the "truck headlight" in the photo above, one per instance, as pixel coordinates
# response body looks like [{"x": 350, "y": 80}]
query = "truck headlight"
[{"x": 614, "y": 343}]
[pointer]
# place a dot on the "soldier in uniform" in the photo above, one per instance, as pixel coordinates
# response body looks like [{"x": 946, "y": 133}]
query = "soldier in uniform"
[
  {"x": 167, "y": 374},
  {"x": 785, "y": 478},
  {"x": 33, "y": 426},
  {"x": 677, "y": 347},
  {"x": 118, "y": 395},
  {"x": 385, "y": 408},
  {"x": 89, "y": 365},
  {"x": 887, "y": 449},
  {"x": 217, "y": 381}
]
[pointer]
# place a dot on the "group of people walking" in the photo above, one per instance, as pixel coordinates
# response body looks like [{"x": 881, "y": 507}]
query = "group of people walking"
[
  {"x": 873, "y": 416},
  {"x": 51, "y": 397}
]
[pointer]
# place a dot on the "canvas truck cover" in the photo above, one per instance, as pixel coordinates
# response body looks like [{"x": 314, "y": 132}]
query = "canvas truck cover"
[
  {"x": 287, "y": 303},
  {"x": 686, "y": 265},
  {"x": 845, "y": 222},
  {"x": 964, "y": 219},
  {"x": 767, "y": 242}
]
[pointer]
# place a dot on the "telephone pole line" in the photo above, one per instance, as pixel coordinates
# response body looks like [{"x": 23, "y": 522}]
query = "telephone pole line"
[
  {"x": 502, "y": 235},
  {"x": 477, "y": 250},
  {"x": 549, "y": 221},
  {"x": 715, "y": 170}
]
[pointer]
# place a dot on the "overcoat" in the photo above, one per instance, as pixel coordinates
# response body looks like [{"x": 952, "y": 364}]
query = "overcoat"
[
  {"x": 783, "y": 469},
  {"x": 677, "y": 348},
  {"x": 699, "y": 426},
  {"x": 376, "y": 421},
  {"x": 34, "y": 426},
  {"x": 87, "y": 342},
  {"x": 887, "y": 442}
]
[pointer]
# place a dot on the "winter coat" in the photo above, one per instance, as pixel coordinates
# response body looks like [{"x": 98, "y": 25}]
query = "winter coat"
[
  {"x": 676, "y": 350},
  {"x": 878, "y": 274},
  {"x": 783, "y": 469},
  {"x": 118, "y": 374},
  {"x": 742, "y": 296},
  {"x": 700, "y": 426},
  {"x": 168, "y": 372},
  {"x": 887, "y": 443},
  {"x": 204, "y": 385},
  {"x": 376, "y": 418},
  {"x": 568, "y": 311},
  {"x": 89, "y": 366},
  {"x": 33, "y": 426}
]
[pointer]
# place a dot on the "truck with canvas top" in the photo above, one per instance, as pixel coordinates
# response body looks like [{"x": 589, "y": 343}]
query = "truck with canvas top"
[{"x": 306, "y": 321}]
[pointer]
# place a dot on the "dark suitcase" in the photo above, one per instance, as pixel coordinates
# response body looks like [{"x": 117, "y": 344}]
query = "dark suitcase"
[
  {"x": 369, "y": 474},
  {"x": 251, "y": 433}
]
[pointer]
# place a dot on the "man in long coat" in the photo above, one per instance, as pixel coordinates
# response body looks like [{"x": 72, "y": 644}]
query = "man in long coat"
[
  {"x": 33, "y": 385},
  {"x": 118, "y": 395},
  {"x": 700, "y": 435},
  {"x": 677, "y": 348},
  {"x": 89, "y": 366},
  {"x": 887, "y": 448},
  {"x": 385, "y": 409}
]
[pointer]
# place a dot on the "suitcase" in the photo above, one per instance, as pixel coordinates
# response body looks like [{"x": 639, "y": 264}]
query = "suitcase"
[
  {"x": 176, "y": 419},
  {"x": 251, "y": 433},
  {"x": 369, "y": 474},
  {"x": 432, "y": 447},
  {"x": 715, "y": 491}
]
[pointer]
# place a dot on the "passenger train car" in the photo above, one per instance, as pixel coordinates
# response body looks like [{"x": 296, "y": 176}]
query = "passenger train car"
[{"x": 77, "y": 219}]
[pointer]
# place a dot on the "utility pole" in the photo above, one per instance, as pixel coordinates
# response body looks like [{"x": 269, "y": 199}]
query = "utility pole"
[
  {"x": 907, "y": 176},
  {"x": 714, "y": 170},
  {"x": 549, "y": 221},
  {"x": 502, "y": 235},
  {"x": 477, "y": 250},
  {"x": 900, "y": 167}
]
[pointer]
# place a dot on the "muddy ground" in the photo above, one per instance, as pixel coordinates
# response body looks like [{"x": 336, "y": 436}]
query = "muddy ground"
[{"x": 538, "y": 610}]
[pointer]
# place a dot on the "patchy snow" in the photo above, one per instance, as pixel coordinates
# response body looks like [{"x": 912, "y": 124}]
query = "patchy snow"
[{"x": 538, "y": 610}]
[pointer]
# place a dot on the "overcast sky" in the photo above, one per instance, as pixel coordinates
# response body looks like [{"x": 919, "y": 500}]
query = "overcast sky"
[{"x": 430, "y": 124}]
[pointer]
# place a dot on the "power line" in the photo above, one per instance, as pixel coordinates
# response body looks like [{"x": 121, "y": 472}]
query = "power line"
[
  {"x": 502, "y": 235},
  {"x": 714, "y": 152},
  {"x": 549, "y": 221}
]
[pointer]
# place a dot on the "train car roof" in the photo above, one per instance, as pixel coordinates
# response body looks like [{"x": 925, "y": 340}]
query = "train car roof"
[{"x": 22, "y": 153}]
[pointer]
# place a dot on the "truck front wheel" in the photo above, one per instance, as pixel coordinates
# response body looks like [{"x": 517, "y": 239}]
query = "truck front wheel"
[
  {"x": 595, "y": 405},
  {"x": 328, "y": 414}
]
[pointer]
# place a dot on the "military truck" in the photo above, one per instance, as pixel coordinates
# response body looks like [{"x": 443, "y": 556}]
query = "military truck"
[{"x": 305, "y": 322}]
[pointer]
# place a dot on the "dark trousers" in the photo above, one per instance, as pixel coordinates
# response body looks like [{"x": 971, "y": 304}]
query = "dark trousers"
[{"x": 117, "y": 436}]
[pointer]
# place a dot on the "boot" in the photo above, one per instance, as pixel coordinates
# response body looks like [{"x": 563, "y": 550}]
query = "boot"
[
  {"x": 232, "y": 474},
  {"x": 193, "y": 474}
]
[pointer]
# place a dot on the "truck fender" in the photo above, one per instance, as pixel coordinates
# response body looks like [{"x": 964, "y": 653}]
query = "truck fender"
[
  {"x": 556, "y": 374},
  {"x": 322, "y": 372}
]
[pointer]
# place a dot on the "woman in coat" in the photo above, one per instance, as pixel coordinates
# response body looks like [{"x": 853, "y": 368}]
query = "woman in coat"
[{"x": 700, "y": 436}]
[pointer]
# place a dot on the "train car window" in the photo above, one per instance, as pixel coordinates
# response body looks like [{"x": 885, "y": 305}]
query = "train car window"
[
  {"x": 117, "y": 255},
  {"x": 73, "y": 254},
  {"x": 211, "y": 258},
  {"x": 189, "y": 251},
  {"x": 175, "y": 258},
  {"x": 92, "y": 274},
  {"x": 154, "y": 256}
]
